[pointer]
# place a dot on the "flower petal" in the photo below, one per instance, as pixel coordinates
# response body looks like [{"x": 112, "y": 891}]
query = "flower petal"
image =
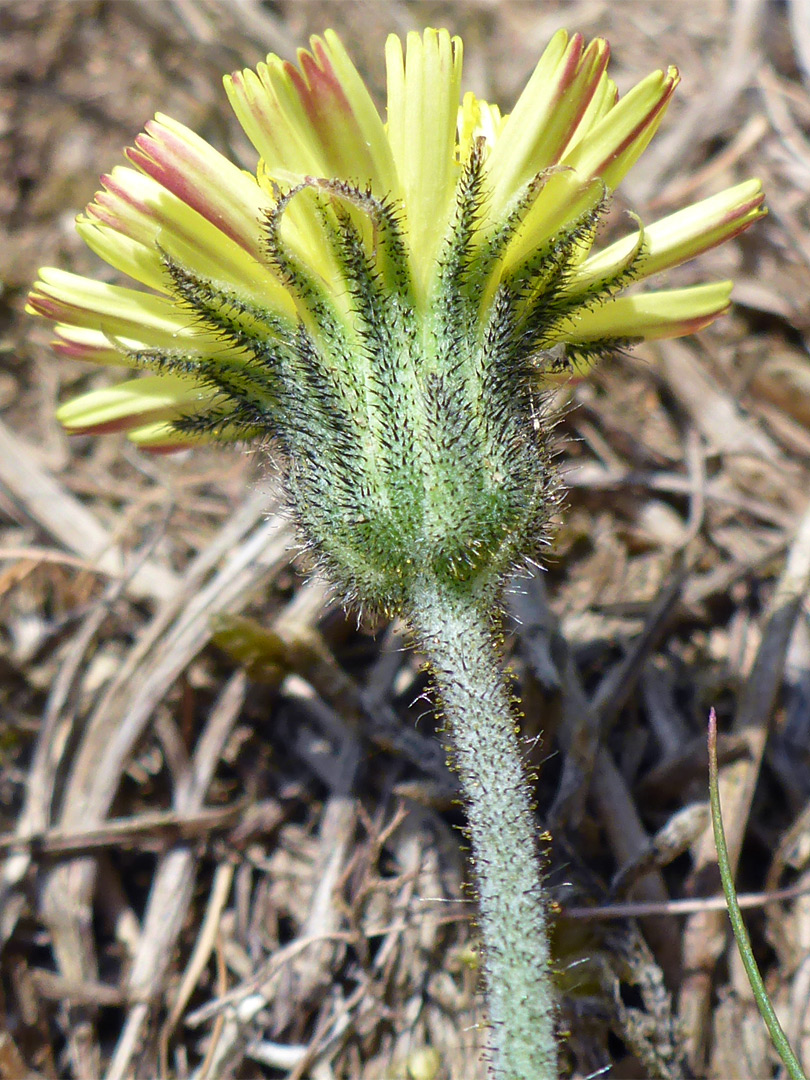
[
  {"x": 547, "y": 114},
  {"x": 203, "y": 179},
  {"x": 95, "y": 316},
  {"x": 92, "y": 346},
  {"x": 139, "y": 208},
  {"x": 164, "y": 438},
  {"x": 131, "y": 403},
  {"x": 564, "y": 197},
  {"x": 666, "y": 314},
  {"x": 477, "y": 119},
  {"x": 82, "y": 301},
  {"x": 681, "y": 236},
  {"x": 604, "y": 99},
  {"x": 317, "y": 121},
  {"x": 140, "y": 261},
  {"x": 423, "y": 102},
  {"x": 361, "y": 138},
  {"x": 617, "y": 141}
]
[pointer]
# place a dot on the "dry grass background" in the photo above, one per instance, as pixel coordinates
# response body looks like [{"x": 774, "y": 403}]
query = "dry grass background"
[{"x": 229, "y": 841}]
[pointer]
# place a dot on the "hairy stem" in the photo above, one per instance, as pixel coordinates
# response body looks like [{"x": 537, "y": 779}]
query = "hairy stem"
[{"x": 457, "y": 635}]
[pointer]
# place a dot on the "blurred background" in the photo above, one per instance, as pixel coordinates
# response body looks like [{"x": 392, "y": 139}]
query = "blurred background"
[{"x": 229, "y": 843}]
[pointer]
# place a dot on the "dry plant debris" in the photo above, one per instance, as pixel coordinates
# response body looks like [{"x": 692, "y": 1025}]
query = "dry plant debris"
[{"x": 229, "y": 841}]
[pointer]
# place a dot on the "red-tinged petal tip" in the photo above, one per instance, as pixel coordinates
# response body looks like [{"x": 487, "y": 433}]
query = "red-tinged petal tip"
[
  {"x": 164, "y": 449},
  {"x": 107, "y": 427}
]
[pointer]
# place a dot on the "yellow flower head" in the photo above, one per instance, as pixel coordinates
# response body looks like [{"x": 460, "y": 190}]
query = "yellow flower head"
[
  {"x": 540, "y": 175},
  {"x": 383, "y": 298}
]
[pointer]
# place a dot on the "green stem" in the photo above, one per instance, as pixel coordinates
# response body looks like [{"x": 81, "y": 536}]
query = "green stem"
[
  {"x": 766, "y": 1009},
  {"x": 457, "y": 635}
]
